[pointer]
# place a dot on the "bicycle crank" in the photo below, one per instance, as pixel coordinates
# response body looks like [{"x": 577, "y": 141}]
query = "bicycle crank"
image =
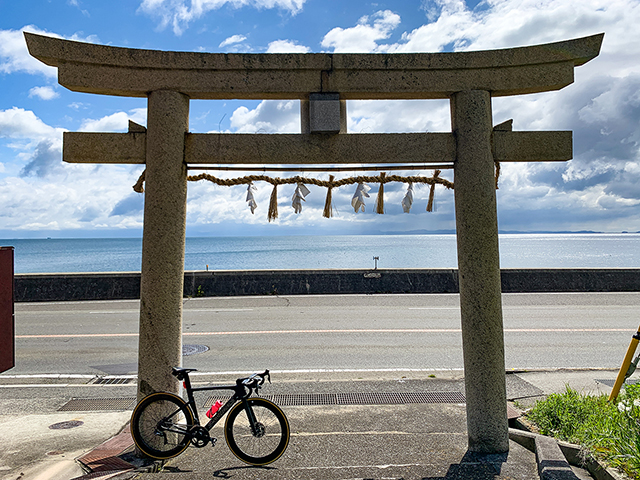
[{"x": 200, "y": 436}]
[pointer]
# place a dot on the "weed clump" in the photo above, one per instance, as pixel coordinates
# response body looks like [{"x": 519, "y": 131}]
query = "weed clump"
[{"x": 608, "y": 430}]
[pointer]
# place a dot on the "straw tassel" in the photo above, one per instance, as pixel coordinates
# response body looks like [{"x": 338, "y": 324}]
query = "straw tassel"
[
  {"x": 328, "y": 208},
  {"x": 139, "y": 186},
  {"x": 380, "y": 197},
  {"x": 273, "y": 204},
  {"x": 432, "y": 191}
]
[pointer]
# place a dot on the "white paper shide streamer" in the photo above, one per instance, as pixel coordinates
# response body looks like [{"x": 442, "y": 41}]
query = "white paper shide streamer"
[
  {"x": 298, "y": 197},
  {"x": 357, "y": 202},
  {"x": 407, "y": 201},
  {"x": 250, "y": 200}
]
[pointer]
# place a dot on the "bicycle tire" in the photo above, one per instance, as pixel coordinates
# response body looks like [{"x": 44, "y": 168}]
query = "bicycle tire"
[
  {"x": 146, "y": 418},
  {"x": 265, "y": 446}
]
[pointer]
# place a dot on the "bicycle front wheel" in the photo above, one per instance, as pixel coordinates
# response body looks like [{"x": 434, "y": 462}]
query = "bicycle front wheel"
[
  {"x": 258, "y": 444},
  {"x": 160, "y": 424}
]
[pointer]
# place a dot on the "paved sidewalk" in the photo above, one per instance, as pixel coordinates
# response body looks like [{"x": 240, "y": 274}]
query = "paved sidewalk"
[
  {"x": 411, "y": 441},
  {"x": 344, "y": 441}
]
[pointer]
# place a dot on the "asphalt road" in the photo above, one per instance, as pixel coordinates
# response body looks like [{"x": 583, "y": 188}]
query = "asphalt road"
[{"x": 342, "y": 332}]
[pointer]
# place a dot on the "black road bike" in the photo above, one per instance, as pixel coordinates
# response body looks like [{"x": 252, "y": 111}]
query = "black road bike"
[{"x": 256, "y": 430}]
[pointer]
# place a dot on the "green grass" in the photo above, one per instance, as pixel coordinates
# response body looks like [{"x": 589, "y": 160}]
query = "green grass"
[{"x": 608, "y": 430}]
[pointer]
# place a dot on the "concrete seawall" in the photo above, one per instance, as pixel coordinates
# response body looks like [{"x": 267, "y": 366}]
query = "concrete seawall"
[{"x": 126, "y": 285}]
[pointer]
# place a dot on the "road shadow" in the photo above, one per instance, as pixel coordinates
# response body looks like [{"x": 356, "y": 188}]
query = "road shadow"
[
  {"x": 227, "y": 472},
  {"x": 475, "y": 466}
]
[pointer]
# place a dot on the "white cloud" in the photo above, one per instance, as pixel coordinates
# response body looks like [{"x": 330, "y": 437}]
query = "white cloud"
[
  {"x": 365, "y": 36},
  {"x": 388, "y": 116},
  {"x": 24, "y": 124},
  {"x": 287, "y": 46},
  {"x": 178, "y": 14},
  {"x": 50, "y": 194},
  {"x": 70, "y": 197},
  {"x": 76, "y": 3},
  {"x": 44, "y": 93},
  {"x": 270, "y": 116},
  {"x": 14, "y": 56},
  {"x": 77, "y": 105},
  {"x": 232, "y": 39},
  {"x": 511, "y": 23},
  {"x": 602, "y": 108},
  {"x": 115, "y": 122},
  {"x": 598, "y": 190}
]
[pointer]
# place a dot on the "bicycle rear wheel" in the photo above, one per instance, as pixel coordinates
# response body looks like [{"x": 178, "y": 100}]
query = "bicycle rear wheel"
[
  {"x": 263, "y": 443},
  {"x": 160, "y": 424}
]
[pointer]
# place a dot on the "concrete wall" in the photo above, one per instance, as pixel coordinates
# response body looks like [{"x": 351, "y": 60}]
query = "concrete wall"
[{"x": 110, "y": 286}]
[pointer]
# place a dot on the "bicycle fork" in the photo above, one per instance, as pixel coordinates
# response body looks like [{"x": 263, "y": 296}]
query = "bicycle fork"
[{"x": 257, "y": 428}]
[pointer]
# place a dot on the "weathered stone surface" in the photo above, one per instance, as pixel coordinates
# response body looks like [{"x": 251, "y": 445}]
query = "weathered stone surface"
[
  {"x": 134, "y": 72},
  {"x": 136, "y": 128},
  {"x": 532, "y": 146},
  {"x": 86, "y": 147},
  {"x": 165, "y": 212},
  {"x": 324, "y": 113},
  {"x": 479, "y": 273},
  {"x": 383, "y": 148},
  {"x": 319, "y": 149},
  {"x": 552, "y": 465}
]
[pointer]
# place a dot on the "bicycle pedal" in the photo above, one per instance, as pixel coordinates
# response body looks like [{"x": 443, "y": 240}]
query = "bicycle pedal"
[{"x": 213, "y": 441}]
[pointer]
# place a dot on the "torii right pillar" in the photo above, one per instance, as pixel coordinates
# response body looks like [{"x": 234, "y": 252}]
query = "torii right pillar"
[{"x": 479, "y": 273}]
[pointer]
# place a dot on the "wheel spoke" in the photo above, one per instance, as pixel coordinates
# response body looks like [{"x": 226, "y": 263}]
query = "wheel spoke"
[
  {"x": 160, "y": 425},
  {"x": 266, "y": 441}
]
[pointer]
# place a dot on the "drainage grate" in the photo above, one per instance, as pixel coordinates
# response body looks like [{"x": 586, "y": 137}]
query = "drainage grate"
[
  {"x": 213, "y": 399},
  {"x": 379, "y": 398},
  {"x": 287, "y": 400},
  {"x": 188, "y": 350},
  {"x": 113, "y": 381},
  {"x": 382, "y": 398},
  {"x": 93, "y": 404}
]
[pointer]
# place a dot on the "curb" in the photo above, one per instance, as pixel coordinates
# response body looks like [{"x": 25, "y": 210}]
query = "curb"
[
  {"x": 556, "y": 457},
  {"x": 113, "y": 458}
]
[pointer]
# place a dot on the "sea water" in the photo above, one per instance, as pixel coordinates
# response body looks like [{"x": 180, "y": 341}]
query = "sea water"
[{"x": 347, "y": 251}]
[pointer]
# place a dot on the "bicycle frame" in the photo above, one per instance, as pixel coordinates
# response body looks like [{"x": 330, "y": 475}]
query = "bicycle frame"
[{"x": 241, "y": 393}]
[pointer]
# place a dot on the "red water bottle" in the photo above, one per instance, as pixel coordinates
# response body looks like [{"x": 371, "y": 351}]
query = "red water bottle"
[{"x": 214, "y": 408}]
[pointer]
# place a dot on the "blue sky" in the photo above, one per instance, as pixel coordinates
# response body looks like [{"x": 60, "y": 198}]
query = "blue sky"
[{"x": 42, "y": 196}]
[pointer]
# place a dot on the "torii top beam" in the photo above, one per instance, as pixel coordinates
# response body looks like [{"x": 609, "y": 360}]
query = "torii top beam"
[{"x": 90, "y": 68}]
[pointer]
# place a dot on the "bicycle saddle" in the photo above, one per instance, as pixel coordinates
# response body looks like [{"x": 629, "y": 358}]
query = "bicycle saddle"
[{"x": 181, "y": 372}]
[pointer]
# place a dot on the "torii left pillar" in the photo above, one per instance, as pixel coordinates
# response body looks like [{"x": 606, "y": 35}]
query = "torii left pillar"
[{"x": 165, "y": 213}]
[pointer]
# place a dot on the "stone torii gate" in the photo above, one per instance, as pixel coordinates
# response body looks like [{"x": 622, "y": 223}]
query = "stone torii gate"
[{"x": 323, "y": 83}]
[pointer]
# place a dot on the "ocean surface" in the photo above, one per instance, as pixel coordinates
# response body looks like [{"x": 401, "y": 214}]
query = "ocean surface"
[{"x": 349, "y": 251}]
